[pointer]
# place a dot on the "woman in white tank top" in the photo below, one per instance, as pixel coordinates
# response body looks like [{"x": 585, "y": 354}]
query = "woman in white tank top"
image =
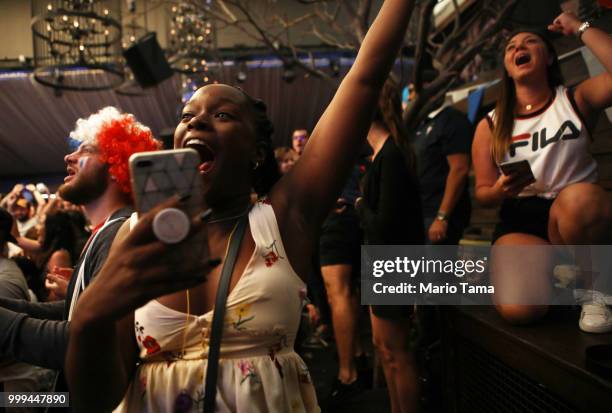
[
  {"x": 538, "y": 120},
  {"x": 136, "y": 310}
]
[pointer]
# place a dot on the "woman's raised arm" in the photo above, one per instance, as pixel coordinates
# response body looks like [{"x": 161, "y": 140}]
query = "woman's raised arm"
[
  {"x": 593, "y": 94},
  {"x": 308, "y": 191}
]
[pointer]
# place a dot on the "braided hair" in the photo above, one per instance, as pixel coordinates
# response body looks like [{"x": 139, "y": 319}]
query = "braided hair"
[{"x": 265, "y": 174}]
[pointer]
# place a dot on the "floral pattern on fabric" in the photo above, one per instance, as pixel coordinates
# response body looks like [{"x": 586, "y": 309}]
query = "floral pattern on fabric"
[
  {"x": 272, "y": 255},
  {"x": 248, "y": 370},
  {"x": 172, "y": 356},
  {"x": 147, "y": 342},
  {"x": 241, "y": 316},
  {"x": 151, "y": 345},
  {"x": 184, "y": 402},
  {"x": 258, "y": 369},
  {"x": 265, "y": 200},
  {"x": 277, "y": 347}
]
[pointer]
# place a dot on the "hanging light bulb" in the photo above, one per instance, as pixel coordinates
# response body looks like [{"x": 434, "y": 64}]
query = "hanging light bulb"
[{"x": 241, "y": 76}]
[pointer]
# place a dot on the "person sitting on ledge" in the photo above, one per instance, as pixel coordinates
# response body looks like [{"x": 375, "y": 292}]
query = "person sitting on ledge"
[{"x": 539, "y": 120}]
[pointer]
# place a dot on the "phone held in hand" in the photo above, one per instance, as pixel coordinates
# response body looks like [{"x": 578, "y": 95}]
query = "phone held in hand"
[
  {"x": 159, "y": 175},
  {"x": 519, "y": 168}
]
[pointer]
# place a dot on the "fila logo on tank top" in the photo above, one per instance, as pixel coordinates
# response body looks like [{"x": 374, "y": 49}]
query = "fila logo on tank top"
[{"x": 556, "y": 143}]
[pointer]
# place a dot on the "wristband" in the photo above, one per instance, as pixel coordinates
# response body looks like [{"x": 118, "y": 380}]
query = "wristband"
[
  {"x": 442, "y": 216},
  {"x": 583, "y": 28}
]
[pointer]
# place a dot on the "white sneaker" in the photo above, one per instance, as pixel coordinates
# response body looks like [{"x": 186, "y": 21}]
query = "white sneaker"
[
  {"x": 595, "y": 317},
  {"x": 584, "y": 296}
]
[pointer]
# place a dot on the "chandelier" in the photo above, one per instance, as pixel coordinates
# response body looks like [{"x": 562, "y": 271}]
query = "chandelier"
[
  {"x": 190, "y": 44},
  {"x": 70, "y": 35}
]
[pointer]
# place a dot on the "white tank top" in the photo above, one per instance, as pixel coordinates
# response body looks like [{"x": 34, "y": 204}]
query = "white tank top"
[{"x": 556, "y": 143}]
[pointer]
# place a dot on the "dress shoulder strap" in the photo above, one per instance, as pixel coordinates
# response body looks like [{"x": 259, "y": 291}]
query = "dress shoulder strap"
[{"x": 264, "y": 227}]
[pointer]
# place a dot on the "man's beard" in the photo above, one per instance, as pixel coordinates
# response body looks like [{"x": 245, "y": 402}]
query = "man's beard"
[{"x": 85, "y": 189}]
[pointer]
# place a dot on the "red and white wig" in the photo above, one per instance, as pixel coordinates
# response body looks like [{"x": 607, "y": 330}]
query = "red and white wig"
[{"x": 117, "y": 136}]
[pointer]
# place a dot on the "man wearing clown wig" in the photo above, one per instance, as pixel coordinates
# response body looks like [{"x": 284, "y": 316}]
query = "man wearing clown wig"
[{"x": 98, "y": 180}]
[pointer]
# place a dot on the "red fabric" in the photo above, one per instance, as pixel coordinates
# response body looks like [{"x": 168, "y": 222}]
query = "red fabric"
[{"x": 93, "y": 233}]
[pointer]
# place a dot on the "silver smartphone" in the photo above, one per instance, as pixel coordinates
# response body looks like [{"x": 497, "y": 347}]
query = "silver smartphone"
[{"x": 156, "y": 176}]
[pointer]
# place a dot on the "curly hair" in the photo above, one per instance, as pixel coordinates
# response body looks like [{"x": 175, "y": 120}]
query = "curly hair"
[{"x": 117, "y": 136}]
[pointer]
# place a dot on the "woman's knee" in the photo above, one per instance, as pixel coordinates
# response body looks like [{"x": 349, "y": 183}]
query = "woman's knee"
[
  {"x": 385, "y": 350},
  {"x": 521, "y": 274},
  {"x": 393, "y": 350},
  {"x": 582, "y": 205},
  {"x": 337, "y": 281},
  {"x": 521, "y": 314}
]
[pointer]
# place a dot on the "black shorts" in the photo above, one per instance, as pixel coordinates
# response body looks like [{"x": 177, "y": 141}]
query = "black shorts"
[
  {"x": 393, "y": 312},
  {"x": 527, "y": 215},
  {"x": 340, "y": 240}
]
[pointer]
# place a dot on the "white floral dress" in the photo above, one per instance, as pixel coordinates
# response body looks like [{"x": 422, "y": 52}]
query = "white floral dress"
[{"x": 258, "y": 369}]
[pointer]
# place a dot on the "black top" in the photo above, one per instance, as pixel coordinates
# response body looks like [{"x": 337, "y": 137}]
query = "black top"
[
  {"x": 447, "y": 133},
  {"x": 391, "y": 209},
  {"x": 37, "y": 333}
]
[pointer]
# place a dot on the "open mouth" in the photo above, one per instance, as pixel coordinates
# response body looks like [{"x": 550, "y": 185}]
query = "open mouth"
[
  {"x": 70, "y": 175},
  {"x": 207, "y": 155},
  {"x": 522, "y": 59}
]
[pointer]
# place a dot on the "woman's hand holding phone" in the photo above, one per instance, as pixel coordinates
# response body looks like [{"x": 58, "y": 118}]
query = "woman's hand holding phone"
[
  {"x": 140, "y": 268},
  {"x": 512, "y": 184},
  {"x": 514, "y": 178}
]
